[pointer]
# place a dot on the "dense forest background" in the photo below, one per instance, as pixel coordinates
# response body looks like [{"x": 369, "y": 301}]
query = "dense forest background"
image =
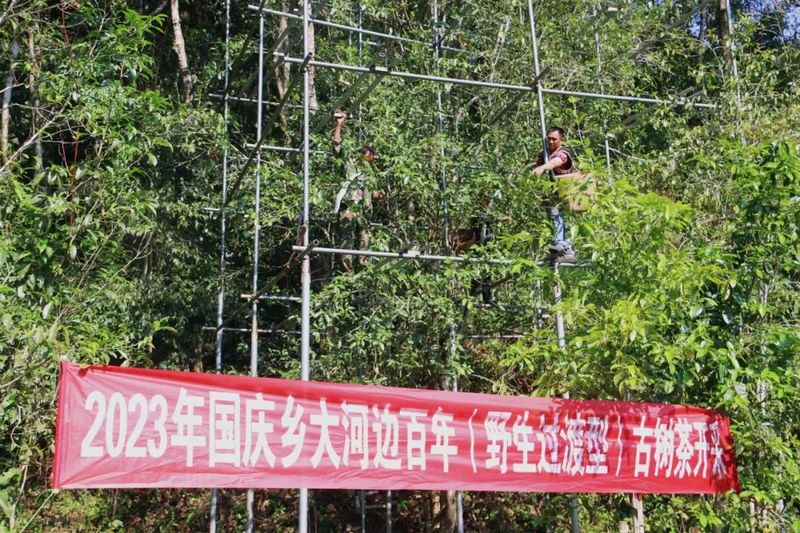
[{"x": 113, "y": 146}]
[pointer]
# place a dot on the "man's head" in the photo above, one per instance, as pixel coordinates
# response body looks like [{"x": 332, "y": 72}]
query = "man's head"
[
  {"x": 555, "y": 136},
  {"x": 367, "y": 154}
]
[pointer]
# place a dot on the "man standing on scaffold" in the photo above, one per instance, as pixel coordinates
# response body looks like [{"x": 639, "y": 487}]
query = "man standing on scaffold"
[{"x": 560, "y": 162}]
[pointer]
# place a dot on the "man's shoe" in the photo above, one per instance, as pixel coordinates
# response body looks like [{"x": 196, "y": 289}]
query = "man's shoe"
[{"x": 558, "y": 248}]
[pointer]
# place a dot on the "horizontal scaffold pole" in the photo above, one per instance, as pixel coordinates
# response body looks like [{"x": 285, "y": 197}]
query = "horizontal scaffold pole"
[
  {"x": 639, "y": 99},
  {"x": 250, "y": 330},
  {"x": 495, "y": 85},
  {"x": 296, "y": 299},
  {"x": 290, "y": 149},
  {"x": 217, "y": 96},
  {"x": 411, "y": 254},
  {"x": 274, "y": 148},
  {"x": 293, "y": 261},
  {"x": 496, "y": 336},
  {"x": 411, "y": 75},
  {"x": 417, "y": 256}
]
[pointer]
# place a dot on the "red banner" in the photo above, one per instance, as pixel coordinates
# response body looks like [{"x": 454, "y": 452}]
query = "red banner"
[{"x": 126, "y": 427}]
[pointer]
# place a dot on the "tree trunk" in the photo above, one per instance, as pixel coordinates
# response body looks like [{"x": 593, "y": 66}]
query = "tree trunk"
[
  {"x": 499, "y": 45},
  {"x": 638, "y": 519},
  {"x": 6, "y": 115},
  {"x": 701, "y": 33},
  {"x": 283, "y": 72},
  {"x": 180, "y": 50},
  {"x": 312, "y": 87},
  {"x": 447, "y": 514},
  {"x": 432, "y": 507},
  {"x": 27, "y": 144},
  {"x": 723, "y": 31},
  {"x": 33, "y": 73}
]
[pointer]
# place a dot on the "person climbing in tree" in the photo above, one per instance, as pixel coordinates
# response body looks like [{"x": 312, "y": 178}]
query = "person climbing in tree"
[
  {"x": 560, "y": 162},
  {"x": 353, "y": 202}
]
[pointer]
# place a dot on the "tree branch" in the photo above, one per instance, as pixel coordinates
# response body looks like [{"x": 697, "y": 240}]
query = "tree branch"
[
  {"x": 8, "y": 10},
  {"x": 6, "y": 114},
  {"x": 27, "y": 144}
]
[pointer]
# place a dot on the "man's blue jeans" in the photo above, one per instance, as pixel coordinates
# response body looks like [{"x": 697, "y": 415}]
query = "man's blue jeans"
[{"x": 560, "y": 229}]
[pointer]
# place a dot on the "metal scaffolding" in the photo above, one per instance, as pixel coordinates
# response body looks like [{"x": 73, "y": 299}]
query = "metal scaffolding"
[
  {"x": 307, "y": 246},
  {"x": 212, "y": 519}
]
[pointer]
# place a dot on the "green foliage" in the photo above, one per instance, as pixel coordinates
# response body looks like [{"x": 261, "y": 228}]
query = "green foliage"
[
  {"x": 87, "y": 232},
  {"x": 109, "y": 253}
]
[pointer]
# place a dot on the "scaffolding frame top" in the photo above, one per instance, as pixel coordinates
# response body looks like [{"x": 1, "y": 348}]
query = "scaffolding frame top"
[{"x": 685, "y": 102}]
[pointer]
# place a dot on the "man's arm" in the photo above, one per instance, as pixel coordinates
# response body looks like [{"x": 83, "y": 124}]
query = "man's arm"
[
  {"x": 338, "y": 151},
  {"x": 559, "y": 158},
  {"x": 337, "y": 133}
]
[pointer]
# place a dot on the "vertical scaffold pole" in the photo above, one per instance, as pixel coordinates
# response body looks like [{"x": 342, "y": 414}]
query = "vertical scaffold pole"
[
  {"x": 362, "y": 504},
  {"x": 557, "y": 285},
  {"x": 438, "y": 35},
  {"x": 537, "y": 71},
  {"x": 360, "y": 27},
  {"x": 360, "y": 55},
  {"x": 361, "y": 140},
  {"x": 305, "y": 275},
  {"x": 256, "y": 240},
  {"x": 437, "y": 43},
  {"x": 388, "y": 511},
  {"x": 212, "y": 519},
  {"x": 459, "y": 494},
  {"x": 600, "y": 83}
]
